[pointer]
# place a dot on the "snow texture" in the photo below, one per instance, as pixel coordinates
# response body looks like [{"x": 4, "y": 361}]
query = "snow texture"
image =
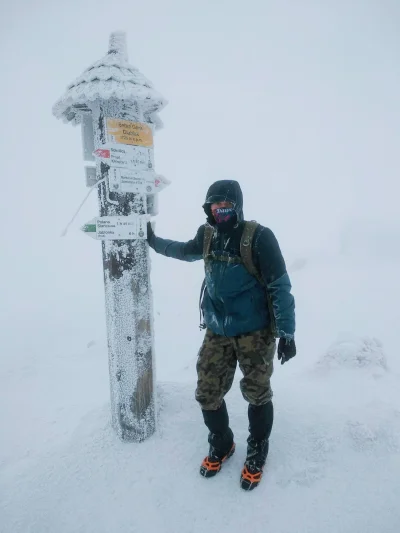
[
  {"x": 355, "y": 353},
  {"x": 335, "y": 447},
  {"x": 110, "y": 77},
  {"x": 335, "y": 471}
]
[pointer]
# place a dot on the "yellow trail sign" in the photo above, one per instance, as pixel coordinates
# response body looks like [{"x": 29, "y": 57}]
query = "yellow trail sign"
[{"x": 127, "y": 132}]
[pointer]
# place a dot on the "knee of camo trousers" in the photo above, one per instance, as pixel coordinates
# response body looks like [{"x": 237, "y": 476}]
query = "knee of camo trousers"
[
  {"x": 216, "y": 365},
  {"x": 256, "y": 354}
]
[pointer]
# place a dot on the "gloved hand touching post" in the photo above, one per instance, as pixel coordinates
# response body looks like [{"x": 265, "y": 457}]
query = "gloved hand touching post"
[{"x": 150, "y": 231}]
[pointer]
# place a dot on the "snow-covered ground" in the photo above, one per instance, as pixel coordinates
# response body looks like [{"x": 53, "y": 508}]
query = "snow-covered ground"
[{"x": 335, "y": 449}]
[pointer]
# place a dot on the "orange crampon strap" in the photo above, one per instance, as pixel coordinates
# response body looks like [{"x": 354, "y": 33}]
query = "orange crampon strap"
[
  {"x": 216, "y": 465},
  {"x": 211, "y": 465},
  {"x": 251, "y": 478}
]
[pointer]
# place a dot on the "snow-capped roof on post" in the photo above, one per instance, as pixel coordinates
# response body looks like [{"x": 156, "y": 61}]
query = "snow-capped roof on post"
[{"x": 110, "y": 77}]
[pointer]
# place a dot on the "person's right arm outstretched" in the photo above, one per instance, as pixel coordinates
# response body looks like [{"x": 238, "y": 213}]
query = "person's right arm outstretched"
[{"x": 185, "y": 251}]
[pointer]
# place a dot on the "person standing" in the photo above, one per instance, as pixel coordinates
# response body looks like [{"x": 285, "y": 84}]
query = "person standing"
[{"x": 246, "y": 304}]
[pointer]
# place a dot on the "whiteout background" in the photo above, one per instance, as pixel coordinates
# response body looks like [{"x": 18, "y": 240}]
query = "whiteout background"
[{"x": 298, "y": 101}]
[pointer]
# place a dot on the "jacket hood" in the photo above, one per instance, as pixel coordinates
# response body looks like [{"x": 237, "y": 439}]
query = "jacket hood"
[{"x": 224, "y": 191}]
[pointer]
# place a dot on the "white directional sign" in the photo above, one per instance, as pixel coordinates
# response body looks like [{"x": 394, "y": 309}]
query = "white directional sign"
[
  {"x": 126, "y": 156},
  {"x": 136, "y": 181},
  {"x": 117, "y": 228},
  {"x": 160, "y": 183}
]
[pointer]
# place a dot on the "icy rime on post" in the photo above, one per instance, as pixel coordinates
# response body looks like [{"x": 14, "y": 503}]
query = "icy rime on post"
[{"x": 111, "y": 88}]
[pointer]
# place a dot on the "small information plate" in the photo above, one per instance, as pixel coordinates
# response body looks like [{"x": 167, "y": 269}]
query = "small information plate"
[
  {"x": 117, "y": 228},
  {"x": 132, "y": 157},
  {"x": 127, "y": 132},
  {"x": 135, "y": 181}
]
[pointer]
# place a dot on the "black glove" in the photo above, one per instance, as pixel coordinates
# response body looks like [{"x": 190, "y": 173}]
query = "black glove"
[
  {"x": 286, "y": 349},
  {"x": 150, "y": 231}
]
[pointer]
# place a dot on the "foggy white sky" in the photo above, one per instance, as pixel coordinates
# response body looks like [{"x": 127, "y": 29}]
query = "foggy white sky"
[{"x": 297, "y": 100}]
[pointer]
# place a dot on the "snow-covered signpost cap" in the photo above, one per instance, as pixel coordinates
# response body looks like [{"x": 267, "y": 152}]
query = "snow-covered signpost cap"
[
  {"x": 118, "y": 110},
  {"x": 108, "y": 78}
]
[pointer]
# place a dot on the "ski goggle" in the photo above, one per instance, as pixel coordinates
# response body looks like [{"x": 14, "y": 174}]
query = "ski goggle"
[{"x": 221, "y": 205}]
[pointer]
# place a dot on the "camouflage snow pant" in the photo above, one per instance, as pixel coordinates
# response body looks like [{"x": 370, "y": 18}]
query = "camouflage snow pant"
[{"x": 216, "y": 366}]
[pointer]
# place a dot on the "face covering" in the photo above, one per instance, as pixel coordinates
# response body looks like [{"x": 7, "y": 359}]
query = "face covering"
[{"x": 225, "y": 218}]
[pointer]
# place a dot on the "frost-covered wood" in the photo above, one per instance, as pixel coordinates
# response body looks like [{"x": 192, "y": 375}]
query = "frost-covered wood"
[{"x": 128, "y": 299}]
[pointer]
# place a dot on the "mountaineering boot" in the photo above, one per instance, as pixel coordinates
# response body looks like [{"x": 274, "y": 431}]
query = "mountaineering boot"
[
  {"x": 257, "y": 451},
  {"x": 261, "y": 419},
  {"x": 212, "y": 464},
  {"x": 220, "y": 438}
]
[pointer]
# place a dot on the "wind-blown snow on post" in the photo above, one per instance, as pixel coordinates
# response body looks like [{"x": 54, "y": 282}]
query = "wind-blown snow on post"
[{"x": 117, "y": 107}]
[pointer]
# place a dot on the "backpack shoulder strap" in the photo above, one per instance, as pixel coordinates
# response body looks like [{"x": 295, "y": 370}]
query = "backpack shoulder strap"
[
  {"x": 246, "y": 249},
  {"x": 208, "y": 233},
  {"x": 246, "y": 252}
]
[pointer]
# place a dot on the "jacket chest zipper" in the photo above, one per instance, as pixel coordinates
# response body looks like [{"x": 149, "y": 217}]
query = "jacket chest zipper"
[{"x": 220, "y": 243}]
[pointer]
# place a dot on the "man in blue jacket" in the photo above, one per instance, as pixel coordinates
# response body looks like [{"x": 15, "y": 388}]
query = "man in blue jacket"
[{"x": 243, "y": 312}]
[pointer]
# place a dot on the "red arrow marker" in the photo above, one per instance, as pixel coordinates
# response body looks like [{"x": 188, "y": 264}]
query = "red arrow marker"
[{"x": 101, "y": 152}]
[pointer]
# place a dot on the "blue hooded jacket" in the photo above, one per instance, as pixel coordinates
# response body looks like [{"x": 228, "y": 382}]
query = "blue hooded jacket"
[{"x": 235, "y": 302}]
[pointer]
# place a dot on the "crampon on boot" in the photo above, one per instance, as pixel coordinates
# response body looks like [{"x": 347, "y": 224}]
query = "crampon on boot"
[
  {"x": 212, "y": 464},
  {"x": 257, "y": 452}
]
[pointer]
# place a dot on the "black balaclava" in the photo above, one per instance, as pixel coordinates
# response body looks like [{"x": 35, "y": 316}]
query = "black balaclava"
[{"x": 225, "y": 191}]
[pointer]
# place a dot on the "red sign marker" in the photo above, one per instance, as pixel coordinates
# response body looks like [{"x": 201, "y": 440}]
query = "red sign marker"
[{"x": 101, "y": 152}]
